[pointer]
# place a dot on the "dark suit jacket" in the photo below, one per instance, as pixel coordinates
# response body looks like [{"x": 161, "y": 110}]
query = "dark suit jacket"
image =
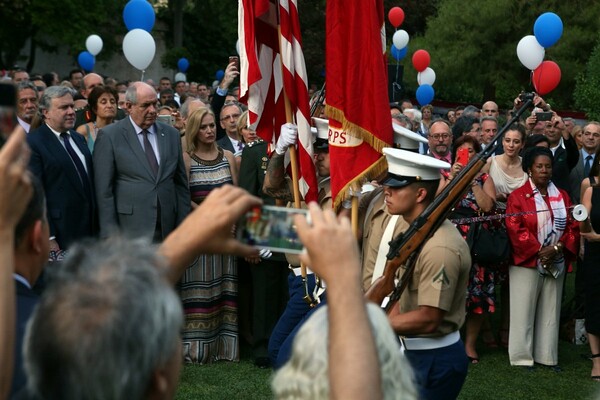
[
  {"x": 564, "y": 161},
  {"x": 575, "y": 179},
  {"x": 26, "y": 302},
  {"x": 128, "y": 194},
  {"x": 71, "y": 213},
  {"x": 226, "y": 144}
]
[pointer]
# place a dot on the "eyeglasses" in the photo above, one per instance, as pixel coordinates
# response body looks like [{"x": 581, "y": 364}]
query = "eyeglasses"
[
  {"x": 232, "y": 117},
  {"x": 443, "y": 136},
  {"x": 144, "y": 106},
  {"x": 207, "y": 126}
]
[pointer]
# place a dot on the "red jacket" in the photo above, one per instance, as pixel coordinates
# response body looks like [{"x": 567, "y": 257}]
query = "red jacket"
[{"x": 522, "y": 230}]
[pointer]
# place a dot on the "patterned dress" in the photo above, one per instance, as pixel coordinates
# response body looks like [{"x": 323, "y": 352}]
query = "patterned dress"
[
  {"x": 209, "y": 286},
  {"x": 481, "y": 296}
]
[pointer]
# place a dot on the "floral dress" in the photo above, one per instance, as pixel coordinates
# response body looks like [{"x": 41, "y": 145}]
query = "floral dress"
[{"x": 481, "y": 296}]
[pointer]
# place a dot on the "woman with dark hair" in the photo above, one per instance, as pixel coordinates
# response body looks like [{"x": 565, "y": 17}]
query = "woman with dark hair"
[
  {"x": 506, "y": 170},
  {"x": 103, "y": 106},
  {"x": 544, "y": 239},
  {"x": 590, "y": 198},
  {"x": 537, "y": 139},
  {"x": 480, "y": 290}
]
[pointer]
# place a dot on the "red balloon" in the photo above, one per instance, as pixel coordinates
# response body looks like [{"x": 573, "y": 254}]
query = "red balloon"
[
  {"x": 546, "y": 77},
  {"x": 396, "y": 16},
  {"x": 421, "y": 60}
]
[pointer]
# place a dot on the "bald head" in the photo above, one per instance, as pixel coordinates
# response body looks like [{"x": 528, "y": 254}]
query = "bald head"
[
  {"x": 490, "y": 109},
  {"x": 190, "y": 106},
  {"x": 90, "y": 81}
]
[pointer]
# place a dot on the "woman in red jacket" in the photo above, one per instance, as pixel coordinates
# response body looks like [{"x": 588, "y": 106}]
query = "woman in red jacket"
[{"x": 544, "y": 239}]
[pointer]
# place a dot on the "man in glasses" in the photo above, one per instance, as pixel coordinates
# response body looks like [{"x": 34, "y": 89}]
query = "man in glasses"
[
  {"x": 440, "y": 141},
  {"x": 230, "y": 113}
]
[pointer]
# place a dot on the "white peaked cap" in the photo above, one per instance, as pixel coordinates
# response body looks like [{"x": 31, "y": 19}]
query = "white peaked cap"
[
  {"x": 407, "y": 139},
  {"x": 405, "y": 167}
]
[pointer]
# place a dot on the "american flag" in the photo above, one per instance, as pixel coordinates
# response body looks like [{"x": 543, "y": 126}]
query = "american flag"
[{"x": 272, "y": 67}]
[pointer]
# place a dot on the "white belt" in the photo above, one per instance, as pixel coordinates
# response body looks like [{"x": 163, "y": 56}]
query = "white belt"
[
  {"x": 418, "y": 343},
  {"x": 298, "y": 271}
]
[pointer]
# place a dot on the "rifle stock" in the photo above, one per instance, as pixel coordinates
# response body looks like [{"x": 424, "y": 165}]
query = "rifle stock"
[{"x": 405, "y": 248}]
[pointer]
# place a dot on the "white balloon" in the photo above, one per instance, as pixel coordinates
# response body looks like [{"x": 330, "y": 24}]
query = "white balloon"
[
  {"x": 139, "y": 48},
  {"x": 400, "y": 39},
  {"x": 180, "y": 76},
  {"x": 426, "y": 77},
  {"x": 530, "y": 52},
  {"x": 93, "y": 44}
]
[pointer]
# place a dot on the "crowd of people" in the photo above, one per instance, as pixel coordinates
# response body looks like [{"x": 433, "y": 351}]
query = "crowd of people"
[{"x": 121, "y": 225}]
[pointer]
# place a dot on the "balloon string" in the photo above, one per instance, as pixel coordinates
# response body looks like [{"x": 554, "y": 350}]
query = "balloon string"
[{"x": 143, "y": 72}]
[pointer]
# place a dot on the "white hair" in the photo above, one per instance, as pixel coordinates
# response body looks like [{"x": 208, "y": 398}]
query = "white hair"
[{"x": 305, "y": 375}]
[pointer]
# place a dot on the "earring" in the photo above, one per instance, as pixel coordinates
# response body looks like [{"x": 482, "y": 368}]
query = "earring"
[{"x": 530, "y": 174}]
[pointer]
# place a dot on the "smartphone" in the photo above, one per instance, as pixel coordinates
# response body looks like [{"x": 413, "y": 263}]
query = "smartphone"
[
  {"x": 270, "y": 227},
  {"x": 236, "y": 60},
  {"x": 166, "y": 119},
  {"x": 543, "y": 116},
  {"x": 462, "y": 156},
  {"x": 8, "y": 103}
]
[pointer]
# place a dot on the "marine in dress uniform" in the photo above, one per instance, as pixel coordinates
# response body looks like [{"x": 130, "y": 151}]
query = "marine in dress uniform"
[{"x": 432, "y": 309}]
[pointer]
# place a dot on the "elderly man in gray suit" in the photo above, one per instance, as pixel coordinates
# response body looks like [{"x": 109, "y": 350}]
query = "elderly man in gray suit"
[{"x": 141, "y": 183}]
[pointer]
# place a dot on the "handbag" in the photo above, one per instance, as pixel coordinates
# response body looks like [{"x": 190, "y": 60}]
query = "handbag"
[{"x": 489, "y": 246}]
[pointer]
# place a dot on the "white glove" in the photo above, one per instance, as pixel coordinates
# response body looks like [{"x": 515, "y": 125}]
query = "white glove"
[{"x": 287, "y": 137}]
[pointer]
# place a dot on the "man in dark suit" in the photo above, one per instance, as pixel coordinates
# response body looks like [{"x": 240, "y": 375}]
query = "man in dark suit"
[
  {"x": 564, "y": 149},
  {"x": 587, "y": 154},
  {"x": 230, "y": 113},
  {"x": 30, "y": 255},
  {"x": 62, "y": 161},
  {"x": 141, "y": 183}
]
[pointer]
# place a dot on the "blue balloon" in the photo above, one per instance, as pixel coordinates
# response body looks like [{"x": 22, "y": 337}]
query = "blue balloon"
[
  {"x": 425, "y": 94},
  {"x": 139, "y": 14},
  {"x": 399, "y": 54},
  {"x": 86, "y": 61},
  {"x": 548, "y": 29},
  {"x": 183, "y": 64},
  {"x": 219, "y": 75}
]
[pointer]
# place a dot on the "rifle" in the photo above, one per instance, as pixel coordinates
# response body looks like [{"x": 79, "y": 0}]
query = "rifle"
[
  {"x": 405, "y": 248},
  {"x": 317, "y": 104}
]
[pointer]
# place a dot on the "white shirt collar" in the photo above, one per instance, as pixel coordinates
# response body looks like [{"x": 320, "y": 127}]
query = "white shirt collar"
[
  {"x": 24, "y": 124},
  {"x": 137, "y": 128},
  {"x": 22, "y": 280}
]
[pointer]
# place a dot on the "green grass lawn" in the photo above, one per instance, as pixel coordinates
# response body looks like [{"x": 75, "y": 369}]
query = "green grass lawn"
[{"x": 492, "y": 378}]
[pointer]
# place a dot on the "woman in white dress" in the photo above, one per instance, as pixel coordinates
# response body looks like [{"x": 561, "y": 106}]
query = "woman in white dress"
[{"x": 508, "y": 175}]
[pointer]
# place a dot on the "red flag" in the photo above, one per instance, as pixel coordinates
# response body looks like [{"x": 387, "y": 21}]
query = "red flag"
[
  {"x": 360, "y": 124},
  {"x": 271, "y": 68}
]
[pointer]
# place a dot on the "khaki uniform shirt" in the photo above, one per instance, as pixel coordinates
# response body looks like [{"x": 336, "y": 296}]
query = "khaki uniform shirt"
[
  {"x": 373, "y": 228},
  {"x": 440, "y": 278}
]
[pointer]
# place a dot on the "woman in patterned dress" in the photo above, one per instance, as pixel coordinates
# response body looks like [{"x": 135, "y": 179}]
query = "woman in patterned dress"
[
  {"x": 480, "y": 290},
  {"x": 209, "y": 286}
]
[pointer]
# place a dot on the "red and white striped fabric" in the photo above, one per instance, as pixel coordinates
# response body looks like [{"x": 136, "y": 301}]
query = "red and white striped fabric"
[{"x": 268, "y": 67}]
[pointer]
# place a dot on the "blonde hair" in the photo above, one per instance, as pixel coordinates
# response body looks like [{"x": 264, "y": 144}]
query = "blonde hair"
[
  {"x": 305, "y": 375},
  {"x": 241, "y": 124},
  {"x": 193, "y": 126}
]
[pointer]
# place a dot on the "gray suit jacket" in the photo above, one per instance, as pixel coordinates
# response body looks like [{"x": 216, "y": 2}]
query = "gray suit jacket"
[
  {"x": 575, "y": 178},
  {"x": 127, "y": 192}
]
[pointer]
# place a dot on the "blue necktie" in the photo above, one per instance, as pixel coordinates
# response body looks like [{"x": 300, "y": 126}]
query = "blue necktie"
[
  {"x": 83, "y": 176},
  {"x": 587, "y": 166}
]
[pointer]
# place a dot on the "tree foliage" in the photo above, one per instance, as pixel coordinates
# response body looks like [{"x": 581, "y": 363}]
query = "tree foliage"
[
  {"x": 587, "y": 90},
  {"x": 473, "y": 48},
  {"x": 49, "y": 24}
]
